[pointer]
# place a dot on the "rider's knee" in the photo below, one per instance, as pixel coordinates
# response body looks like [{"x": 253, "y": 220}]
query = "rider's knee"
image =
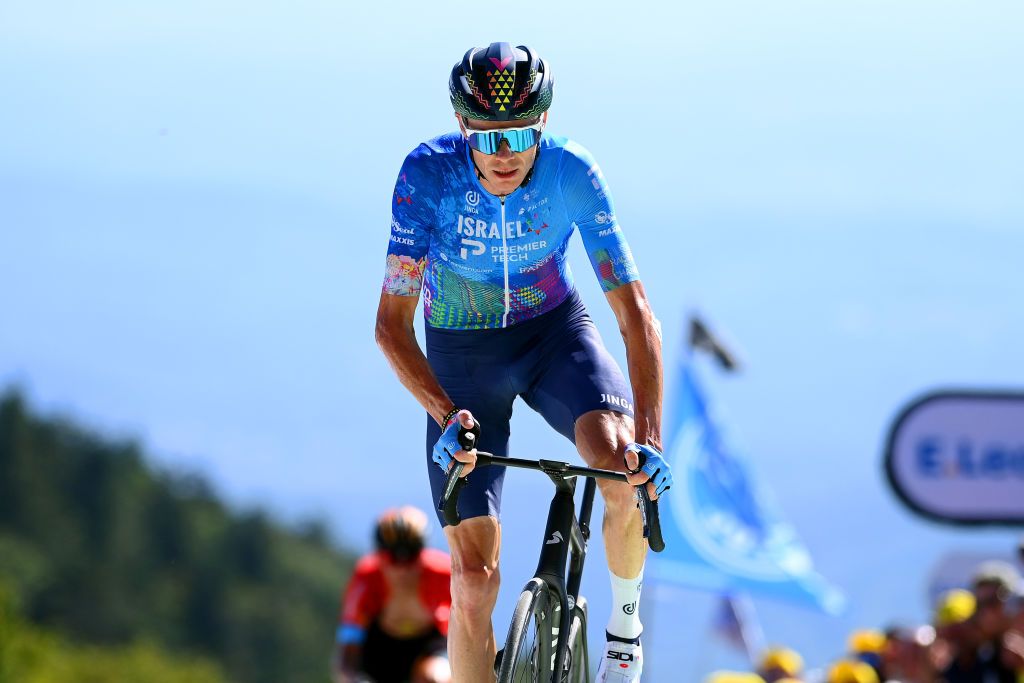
[
  {"x": 474, "y": 587},
  {"x": 475, "y": 577},
  {"x": 602, "y": 436}
]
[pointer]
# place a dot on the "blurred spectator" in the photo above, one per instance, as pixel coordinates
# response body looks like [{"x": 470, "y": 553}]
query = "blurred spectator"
[
  {"x": 851, "y": 671},
  {"x": 975, "y": 636},
  {"x": 986, "y": 647},
  {"x": 952, "y": 627},
  {"x": 1013, "y": 640},
  {"x": 906, "y": 655},
  {"x": 867, "y": 645},
  {"x": 779, "y": 664}
]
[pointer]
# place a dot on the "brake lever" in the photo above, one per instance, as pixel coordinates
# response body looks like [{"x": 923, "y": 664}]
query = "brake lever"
[{"x": 449, "y": 503}]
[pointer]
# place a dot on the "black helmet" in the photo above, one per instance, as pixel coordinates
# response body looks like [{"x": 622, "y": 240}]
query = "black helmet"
[
  {"x": 501, "y": 83},
  {"x": 400, "y": 533}
]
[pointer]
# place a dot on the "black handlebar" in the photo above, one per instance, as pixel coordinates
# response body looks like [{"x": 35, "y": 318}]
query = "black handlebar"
[
  {"x": 648, "y": 508},
  {"x": 448, "y": 504},
  {"x": 652, "y": 521}
]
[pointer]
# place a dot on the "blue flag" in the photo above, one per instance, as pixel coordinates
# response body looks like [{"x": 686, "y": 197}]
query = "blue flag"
[{"x": 722, "y": 532}]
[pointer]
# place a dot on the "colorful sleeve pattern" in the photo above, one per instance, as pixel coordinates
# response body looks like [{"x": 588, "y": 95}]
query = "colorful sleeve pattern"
[
  {"x": 412, "y": 218},
  {"x": 588, "y": 204}
]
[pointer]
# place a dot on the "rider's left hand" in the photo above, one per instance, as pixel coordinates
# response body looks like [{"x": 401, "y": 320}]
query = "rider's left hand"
[
  {"x": 447, "y": 449},
  {"x": 646, "y": 464}
]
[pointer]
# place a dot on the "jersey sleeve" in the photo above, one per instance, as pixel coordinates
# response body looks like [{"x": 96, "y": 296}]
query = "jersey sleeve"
[
  {"x": 413, "y": 213},
  {"x": 359, "y": 606},
  {"x": 588, "y": 205}
]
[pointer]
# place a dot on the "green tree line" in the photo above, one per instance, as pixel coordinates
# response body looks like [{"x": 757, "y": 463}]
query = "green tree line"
[
  {"x": 108, "y": 554},
  {"x": 29, "y": 654}
]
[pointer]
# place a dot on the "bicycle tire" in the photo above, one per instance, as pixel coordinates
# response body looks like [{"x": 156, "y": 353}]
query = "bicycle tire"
[
  {"x": 578, "y": 656},
  {"x": 527, "y": 659}
]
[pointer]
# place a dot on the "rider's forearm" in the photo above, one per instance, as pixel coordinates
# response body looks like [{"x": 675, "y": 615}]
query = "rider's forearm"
[
  {"x": 398, "y": 342},
  {"x": 643, "y": 355}
]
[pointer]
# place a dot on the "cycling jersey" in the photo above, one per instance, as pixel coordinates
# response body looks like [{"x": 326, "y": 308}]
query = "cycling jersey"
[
  {"x": 367, "y": 593},
  {"x": 487, "y": 262}
]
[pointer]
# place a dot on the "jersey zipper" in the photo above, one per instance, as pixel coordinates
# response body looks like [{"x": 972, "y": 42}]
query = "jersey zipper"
[{"x": 504, "y": 258}]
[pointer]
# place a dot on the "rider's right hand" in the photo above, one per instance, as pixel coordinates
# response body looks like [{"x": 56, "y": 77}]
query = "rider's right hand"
[
  {"x": 647, "y": 467},
  {"x": 447, "y": 449}
]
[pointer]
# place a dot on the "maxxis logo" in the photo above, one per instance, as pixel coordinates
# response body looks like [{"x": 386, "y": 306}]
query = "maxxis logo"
[{"x": 472, "y": 197}]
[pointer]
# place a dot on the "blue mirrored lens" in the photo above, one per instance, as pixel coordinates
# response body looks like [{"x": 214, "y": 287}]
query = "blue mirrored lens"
[
  {"x": 485, "y": 142},
  {"x": 522, "y": 140},
  {"x": 488, "y": 142}
]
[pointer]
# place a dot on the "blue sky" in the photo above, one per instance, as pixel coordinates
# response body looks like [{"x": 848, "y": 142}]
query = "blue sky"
[{"x": 194, "y": 205}]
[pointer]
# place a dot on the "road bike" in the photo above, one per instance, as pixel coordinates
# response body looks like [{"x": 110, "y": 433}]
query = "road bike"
[{"x": 547, "y": 639}]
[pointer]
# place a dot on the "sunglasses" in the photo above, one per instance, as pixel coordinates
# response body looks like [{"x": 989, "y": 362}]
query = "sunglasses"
[{"x": 519, "y": 139}]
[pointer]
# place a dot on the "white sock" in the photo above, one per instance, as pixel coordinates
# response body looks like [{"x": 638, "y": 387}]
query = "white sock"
[{"x": 625, "y": 619}]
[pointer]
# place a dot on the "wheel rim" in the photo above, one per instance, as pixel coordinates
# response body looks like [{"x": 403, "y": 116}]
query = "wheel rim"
[{"x": 529, "y": 649}]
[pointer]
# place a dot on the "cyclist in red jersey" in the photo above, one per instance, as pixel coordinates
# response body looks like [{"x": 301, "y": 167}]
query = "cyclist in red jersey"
[{"x": 393, "y": 625}]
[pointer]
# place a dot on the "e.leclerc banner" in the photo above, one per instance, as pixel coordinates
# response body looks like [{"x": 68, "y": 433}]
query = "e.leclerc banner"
[{"x": 958, "y": 457}]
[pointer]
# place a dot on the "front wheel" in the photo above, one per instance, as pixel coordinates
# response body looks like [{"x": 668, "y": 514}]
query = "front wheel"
[
  {"x": 528, "y": 648},
  {"x": 577, "y": 659}
]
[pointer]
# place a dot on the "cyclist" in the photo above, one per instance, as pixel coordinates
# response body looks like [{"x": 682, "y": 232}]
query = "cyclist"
[
  {"x": 394, "y": 615},
  {"x": 480, "y": 223}
]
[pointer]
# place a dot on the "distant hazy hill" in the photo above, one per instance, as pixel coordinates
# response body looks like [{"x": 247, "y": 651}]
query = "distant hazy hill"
[{"x": 102, "y": 549}]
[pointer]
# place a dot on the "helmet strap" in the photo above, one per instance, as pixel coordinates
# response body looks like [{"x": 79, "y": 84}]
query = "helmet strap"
[{"x": 479, "y": 174}]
